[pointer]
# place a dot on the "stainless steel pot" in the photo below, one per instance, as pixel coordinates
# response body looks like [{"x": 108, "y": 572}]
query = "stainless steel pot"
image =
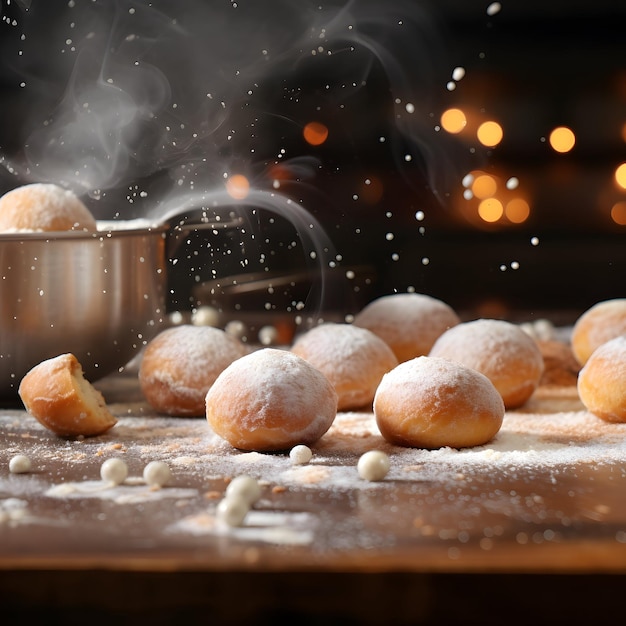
[{"x": 100, "y": 296}]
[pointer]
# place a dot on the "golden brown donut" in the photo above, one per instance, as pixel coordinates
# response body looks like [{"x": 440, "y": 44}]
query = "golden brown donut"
[
  {"x": 603, "y": 321},
  {"x": 179, "y": 365},
  {"x": 500, "y": 350},
  {"x": 44, "y": 207},
  {"x": 56, "y": 393},
  {"x": 354, "y": 359},
  {"x": 408, "y": 322},
  {"x": 602, "y": 381},
  {"x": 271, "y": 400},
  {"x": 431, "y": 403}
]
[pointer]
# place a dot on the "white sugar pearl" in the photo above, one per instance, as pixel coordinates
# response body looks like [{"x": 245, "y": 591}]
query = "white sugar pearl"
[
  {"x": 157, "y": 473},
  {"x": 114, "y": 471},
  {"x": 244, "y": 487},
  {"x": 232, "y": 510},
  {"x": 373, "y": 465},
  {"x": 19, "y": 464},
  {"x": 300, "y": 455}
]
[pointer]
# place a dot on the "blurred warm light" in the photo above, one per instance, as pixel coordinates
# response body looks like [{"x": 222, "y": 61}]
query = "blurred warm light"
[
  {"x": 620, "y": 175},
  {"x": 562, "y": 139},
  {"x": 618, "y": 213},
  {"x": 484, "y": 186},
  {"x": 490, "y": 210},
  {"x": 237, "y": 187},
  {"x": 624, "y": 131},
  {"x": 489, "y": 134},
  {"x": 453, "y": 120},
  {"x": 517, "y": 210},
  {"x": 315, "y": 133}
]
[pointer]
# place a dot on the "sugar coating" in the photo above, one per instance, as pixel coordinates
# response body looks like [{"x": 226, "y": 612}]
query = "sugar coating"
[
  {"x": 354, "y": 359},
  {"x": 602, "y": 381},
  {"x": 500, "y": 350},
  {"x": 409, "y": 322},
  {"x": 269, "y": 400},
  {"x": 431, "y": 402},
  {"x": 43, "y": 207},
  {"x": 597, "y": 325},
  {"x": 181, "y": 363}
]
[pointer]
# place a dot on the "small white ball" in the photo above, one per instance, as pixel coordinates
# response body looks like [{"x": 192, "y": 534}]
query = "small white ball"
[
  {"x": 373, "y": 465},
  {"x": 19, "y": 464},
  {"x": 157, "y": 474},
  {"x": 300, "y": 455},
  {"x": 268, "y": 335},
  {"x": 244, "y": 487},
  {"x": 205, "y": 316},
  {"x": 114, "y": 471},
  {"x": 232, "y": 510}
]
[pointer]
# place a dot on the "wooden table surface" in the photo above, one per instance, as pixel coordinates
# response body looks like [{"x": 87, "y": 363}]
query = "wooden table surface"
[{"x": 460, "y": 543}]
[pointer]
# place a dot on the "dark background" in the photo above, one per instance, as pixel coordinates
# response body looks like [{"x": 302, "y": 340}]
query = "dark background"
[{"x": 532, "y": 66}]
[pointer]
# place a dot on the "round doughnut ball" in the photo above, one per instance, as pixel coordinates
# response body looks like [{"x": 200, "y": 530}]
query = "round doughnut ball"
[
  {"x": 271, "y": 400},
  {"x": 602, "y": 381},
  {"x": 603, "y": 321},
  {"x": 44, "y": 207},
  {"x": 431, "y": 403},
  {"x": 354, "y": 359},
  {"x": 500, "y": 350},
  {"x": 408, "y": 322},
  {"x": 180, "y": 364}
]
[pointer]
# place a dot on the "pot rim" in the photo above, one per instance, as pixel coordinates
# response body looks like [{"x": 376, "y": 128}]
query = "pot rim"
[{"x": 64, "y": 235}]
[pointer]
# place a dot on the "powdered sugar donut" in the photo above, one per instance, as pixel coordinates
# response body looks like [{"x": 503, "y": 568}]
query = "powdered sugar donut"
[
  {"x": 180, "y": 364},
  {"x": 408, "y": 322},
  {"x": 43, "y": 207},
  {"x": 354, "y": 359},
  {"x": 602, "y": 381},
  {"x": 431, "y": 403},
  {"x": 500, "y": 350},
  {"x": 271, "y": 400},
  {"x": 603, "y": 321}
]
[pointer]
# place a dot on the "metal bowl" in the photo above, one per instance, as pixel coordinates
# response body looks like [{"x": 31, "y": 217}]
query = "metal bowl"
[{"x": 100, "y": 296}]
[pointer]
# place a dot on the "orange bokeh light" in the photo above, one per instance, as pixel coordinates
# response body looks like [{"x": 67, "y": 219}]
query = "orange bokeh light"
[
  {"x": 238, "y": 186},
  {"x": 315, "y": 133}
]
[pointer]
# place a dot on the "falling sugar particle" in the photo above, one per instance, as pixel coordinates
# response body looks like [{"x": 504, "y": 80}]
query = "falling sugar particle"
[
  {"x": 515, "y": 265},
  {"x": 410, "y": 108},
  {"x": 494, "y": 8},
  {"x": 468, "y": 179},
  {"x": 451, "y": 85},
  {"x": 425, "y": 261},
  {"x": 458, "y": 73},
  {"x": 512, "y": 183},
  {"x": 534, "y": 241},
  {"x": 389, "y": 236},
  {"x": 419, "y": 215}
]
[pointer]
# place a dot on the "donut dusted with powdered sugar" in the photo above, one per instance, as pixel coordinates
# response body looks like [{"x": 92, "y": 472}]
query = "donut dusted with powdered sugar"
[
  {"x": 434, "y": 403},
  {"x": 271, "y": 400},
  {"x": 180, "y": 364},
  {"x": 500, "y": 350},
  {"x": 408, "y": 322},
  {"x": 354, "y": 359},
  {"x": 44, "y": 207}
]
